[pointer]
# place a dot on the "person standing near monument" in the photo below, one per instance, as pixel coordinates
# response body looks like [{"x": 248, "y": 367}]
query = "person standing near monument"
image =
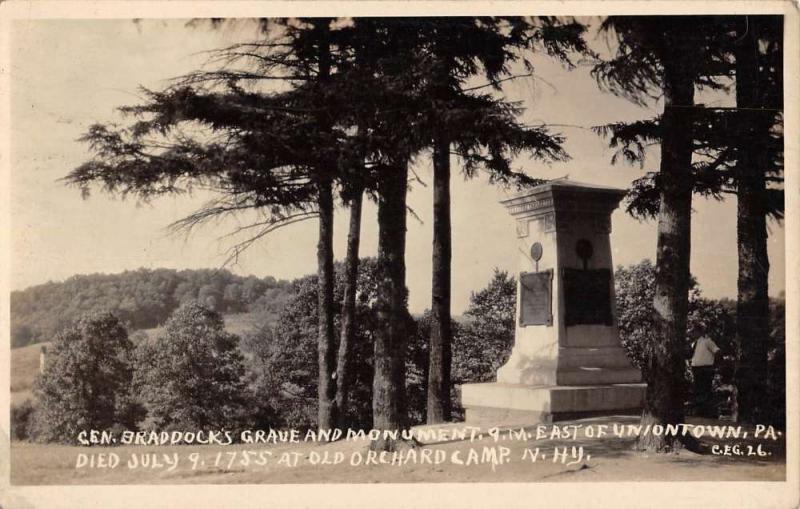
[{"x": 705, "y": 351}]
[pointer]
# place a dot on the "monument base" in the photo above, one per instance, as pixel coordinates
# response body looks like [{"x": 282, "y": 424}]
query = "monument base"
[{"x": 504, "y": 404}]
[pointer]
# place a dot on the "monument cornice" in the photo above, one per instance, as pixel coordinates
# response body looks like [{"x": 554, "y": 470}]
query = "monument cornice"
[{"x": 564, "y": 196}]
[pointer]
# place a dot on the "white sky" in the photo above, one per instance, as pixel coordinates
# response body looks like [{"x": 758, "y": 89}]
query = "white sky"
[{"x": 66, "y": 75}]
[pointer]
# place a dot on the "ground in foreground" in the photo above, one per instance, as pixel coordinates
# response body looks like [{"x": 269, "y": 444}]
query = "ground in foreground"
[{"x": 505, "y": 456}]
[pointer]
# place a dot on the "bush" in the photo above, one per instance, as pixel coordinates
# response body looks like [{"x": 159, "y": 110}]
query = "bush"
[
  {"x": 21, "y": 420},
  {"x": 86, "y": 383}
]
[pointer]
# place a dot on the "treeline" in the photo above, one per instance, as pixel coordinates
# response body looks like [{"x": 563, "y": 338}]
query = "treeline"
[
  {"x": 141, "y": 299},
  {"x": 282, "y": 365},
  {"x": 182, "y": 379},
  {"x": 193, "y": 374}
]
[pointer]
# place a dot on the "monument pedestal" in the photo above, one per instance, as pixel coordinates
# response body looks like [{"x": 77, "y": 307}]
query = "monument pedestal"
[
  {"x": 567, "y": 361},
  {"x": 493, "y": 403}
]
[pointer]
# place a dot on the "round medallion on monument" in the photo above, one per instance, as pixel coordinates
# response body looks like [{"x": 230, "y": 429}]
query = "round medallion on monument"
[{"x": 536, "y": 251}]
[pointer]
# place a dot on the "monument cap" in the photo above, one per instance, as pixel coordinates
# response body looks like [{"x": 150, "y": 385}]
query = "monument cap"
[{"x": 564, "y": 195}]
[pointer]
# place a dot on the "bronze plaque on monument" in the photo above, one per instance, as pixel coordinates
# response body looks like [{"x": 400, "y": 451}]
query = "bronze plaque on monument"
[
  {"x": 536, "y": 298},
  {"x": 587, "y": 296}
]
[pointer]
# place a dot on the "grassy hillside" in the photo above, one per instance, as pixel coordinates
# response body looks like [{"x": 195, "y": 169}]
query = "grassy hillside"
[
  {"x": 24, "y": 368},
  {"x": 238, "y": 323}
]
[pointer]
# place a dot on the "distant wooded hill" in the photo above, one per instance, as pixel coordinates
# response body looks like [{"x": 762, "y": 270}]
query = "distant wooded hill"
[{"x": 142, "y": 298}]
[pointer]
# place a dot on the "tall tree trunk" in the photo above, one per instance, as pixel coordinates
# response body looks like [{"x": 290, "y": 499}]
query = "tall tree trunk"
[
  {"x": 439, "y": 365},
  {"x": 346, "y": 339},
  {"x": 325, "y": 339},
  {"x": 665, "y": 370},
  {"x": 326, "y": 353},
  {"x": 388, "y": 391},
  {"x": 752, "y": 306}
]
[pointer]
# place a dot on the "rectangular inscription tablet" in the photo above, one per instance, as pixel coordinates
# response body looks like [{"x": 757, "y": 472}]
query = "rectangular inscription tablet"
[
  {"x": 536, "y": 295},
  {"x": 587, "y": 296}
]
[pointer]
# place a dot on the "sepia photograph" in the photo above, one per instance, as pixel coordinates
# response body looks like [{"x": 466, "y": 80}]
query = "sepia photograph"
[{"x": 438, "y": 249}]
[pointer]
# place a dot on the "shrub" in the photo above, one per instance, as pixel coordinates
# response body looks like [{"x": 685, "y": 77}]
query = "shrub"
[{"x": 21, "y": 420}]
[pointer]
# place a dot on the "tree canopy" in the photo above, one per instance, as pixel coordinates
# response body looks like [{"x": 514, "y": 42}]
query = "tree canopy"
[
  {"x": 86, "y": 382},
  {"x": 142, "y": 299},
  {"x": 192, "y": 377},
  {"x": 717, "y": 132}
]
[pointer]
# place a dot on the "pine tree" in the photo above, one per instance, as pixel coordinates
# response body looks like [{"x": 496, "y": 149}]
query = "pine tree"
[
  {"x": 737, "y": 151},
  {"x": 759, "y": 91},
  {"x": 650, "y": 60},
  {"x": 262, "y": 163},
  {"x": 459, "y": 49}
]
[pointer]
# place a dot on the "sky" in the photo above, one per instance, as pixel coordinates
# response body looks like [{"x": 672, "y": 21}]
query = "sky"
[{"x": 67, "y": 75}]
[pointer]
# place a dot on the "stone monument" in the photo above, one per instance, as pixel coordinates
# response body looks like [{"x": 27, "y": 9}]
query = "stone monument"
[{"x": 567, "y": 361}]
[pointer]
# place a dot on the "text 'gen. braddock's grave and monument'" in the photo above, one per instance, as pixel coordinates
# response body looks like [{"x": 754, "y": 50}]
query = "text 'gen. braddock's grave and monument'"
[{"x": 567, "y": 361}]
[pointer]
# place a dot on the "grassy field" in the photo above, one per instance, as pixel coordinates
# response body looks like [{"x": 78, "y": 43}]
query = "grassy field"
[
  {"x": 239, "y": 324},
  {"x": 24, "y": 369},
  {"x": 604, "y": 459}
]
